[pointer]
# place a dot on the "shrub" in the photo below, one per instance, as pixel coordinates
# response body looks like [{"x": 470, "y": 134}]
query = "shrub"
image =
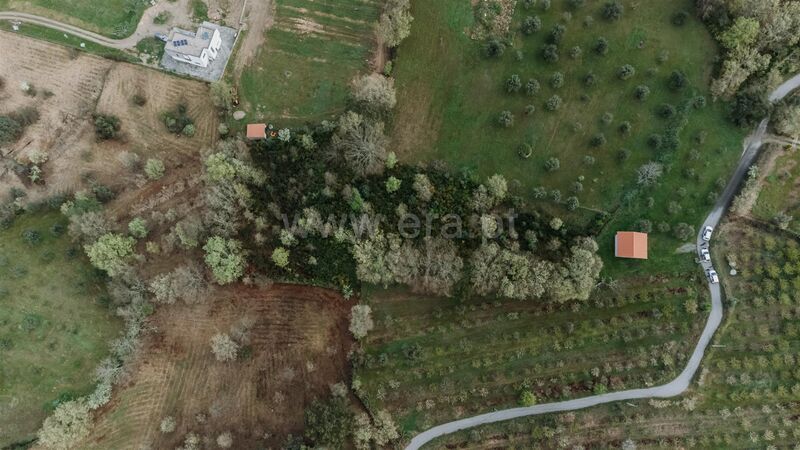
[
  {"x": 655, "y": 141},
  {"x": 154, "y": 169},
  {"x": 572, "y": 203},
  {"x": 360, "y": 320},
  {"x": 423, "y": 187},
  {"x": 138, "y": 227},
  {"x": 32, "y": 237},
  {"x": 601, "y": 46},
  {"x": 677, "y": 80},
  {"x": 679, "y": 18},
  {"x": 557, "y": 34},
  {"x": 575, "y": 52},
  {"x": 25, "y": 116},
  {"x": 106, "y": 126},
  {"x": 506, "y": 119},
  {"x": 554, "y": 103},
  {"x": 552, "y": 164},
  {"x": 139, "y": 99},
  {"x": 641, "y": 92},
  {"x": 613, "y": 10},
  {"x": 550, "y": 53},
  {"x": 598, "y": 140},
  {"x": 224, "y": 348},
  {"x": 189, "y": 130},
  {"x": 590, "y": 79},
  {"x": 531, "y": 25},
  {"x": 623, "y": 155},
  {"x": 327, "y": 424},
  {"x": 225, "y": 440},
  {"x": 626, "y": 72},
  {"x": 393, "y": 184},
  {"x": 177, "y": 120},
  {"x": 607, "y": 118},
  {"x": 532, "y": 87},
  {"x": 683, "y": 231},
  {"x": 167, "y": 425},
  {"x": 649, "y": 173},
  {"x": 226, "y": 259},
  {"x": 513, "y": 84},
  {"x": 527, "y": 398},
  {"x": 625, "y": 128},
  {"x": 280, "y": 256},
  {"x": 557, "y": 80},
  {"x": 494, "y": 48},
  {"x": 530, "y": 109},
  {"x": 222, "y": 95},
  {"x": 575, "y": 4},
  {"x": 666, "y": 111}
]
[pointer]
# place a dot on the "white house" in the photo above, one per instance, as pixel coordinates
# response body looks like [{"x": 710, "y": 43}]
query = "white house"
[{"x": 194, "y": 48}]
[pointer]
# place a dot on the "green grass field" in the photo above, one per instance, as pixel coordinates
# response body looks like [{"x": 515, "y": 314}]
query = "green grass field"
[
  {"x": 54, "y": 325},
  {"x": 113, "y": 18},
  {"x": 431, "y": 360},
  {"x": 745, "y": 398},
  {"x": 450, "y": 95},
  {"x": 313, "y": 50}
]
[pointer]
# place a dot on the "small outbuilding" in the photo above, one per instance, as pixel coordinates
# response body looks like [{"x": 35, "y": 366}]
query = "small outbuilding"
[
  {"x": 256, "y": 131},
  {"x": 630, "y": 244}
]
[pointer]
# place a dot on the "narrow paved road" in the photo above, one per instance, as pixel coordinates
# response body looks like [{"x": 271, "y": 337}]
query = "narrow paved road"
[
  {"x": 675, "y": 387},
  {"x": 145, "y": 28}
]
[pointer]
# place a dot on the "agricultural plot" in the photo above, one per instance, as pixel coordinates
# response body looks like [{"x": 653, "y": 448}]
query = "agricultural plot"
[
  {"x": 312, "y": 51},
  {"x": 747, "y": 394},
  {"x": 54, "y": 323},
  {"x": 112, "y": 18},
  {"x": 431, "y": 360},
  {"x": 779, "y": 197},
  {"x": 294, "y": 344},
  {"x": 575, "y": 134}
]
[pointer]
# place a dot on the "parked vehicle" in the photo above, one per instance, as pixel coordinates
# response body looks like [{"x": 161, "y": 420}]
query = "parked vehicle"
[
  {"x": 707, "y": 233},
  {"x": 713, "y": 278},
  {"x": 705, "y": 255},
  {"x": 161, "y": 37}
]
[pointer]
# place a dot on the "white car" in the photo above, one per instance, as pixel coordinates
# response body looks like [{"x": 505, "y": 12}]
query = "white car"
[
  {"x": 705, "y": 255},
  {"x": 707, "y": 233},
  {"x": 713, "y": 278}
]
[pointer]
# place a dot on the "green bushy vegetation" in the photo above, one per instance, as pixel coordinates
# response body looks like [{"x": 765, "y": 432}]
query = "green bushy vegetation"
[{"x": 55, "y": 323}]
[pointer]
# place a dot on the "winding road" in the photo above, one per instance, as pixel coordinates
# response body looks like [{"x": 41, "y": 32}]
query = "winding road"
[
  {"x": 752, "y": 144},
  {"x": 145, "y": 28}
]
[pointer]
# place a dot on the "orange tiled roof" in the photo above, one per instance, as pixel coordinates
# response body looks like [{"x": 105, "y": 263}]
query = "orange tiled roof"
[
  {"x": 630, "y": 244},
  {"x": 256, "y": 131}
]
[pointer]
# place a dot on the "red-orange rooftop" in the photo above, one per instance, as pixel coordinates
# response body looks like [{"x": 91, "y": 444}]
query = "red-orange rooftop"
[
  {"x": 630, "y": 244},
  {"x": 256, "y": 131}
]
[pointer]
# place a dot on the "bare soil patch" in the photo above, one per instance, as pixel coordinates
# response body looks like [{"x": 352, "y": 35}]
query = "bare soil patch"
[
  {"x": 71, "y": 87},
  {"x": 259, "y": 17},
  {"x": 297, "y": 346}
]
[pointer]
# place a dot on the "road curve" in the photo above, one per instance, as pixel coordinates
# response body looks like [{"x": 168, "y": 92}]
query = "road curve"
[
  {"x": 145, "y": 28},
  {"x": 752, "y": 144}
]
